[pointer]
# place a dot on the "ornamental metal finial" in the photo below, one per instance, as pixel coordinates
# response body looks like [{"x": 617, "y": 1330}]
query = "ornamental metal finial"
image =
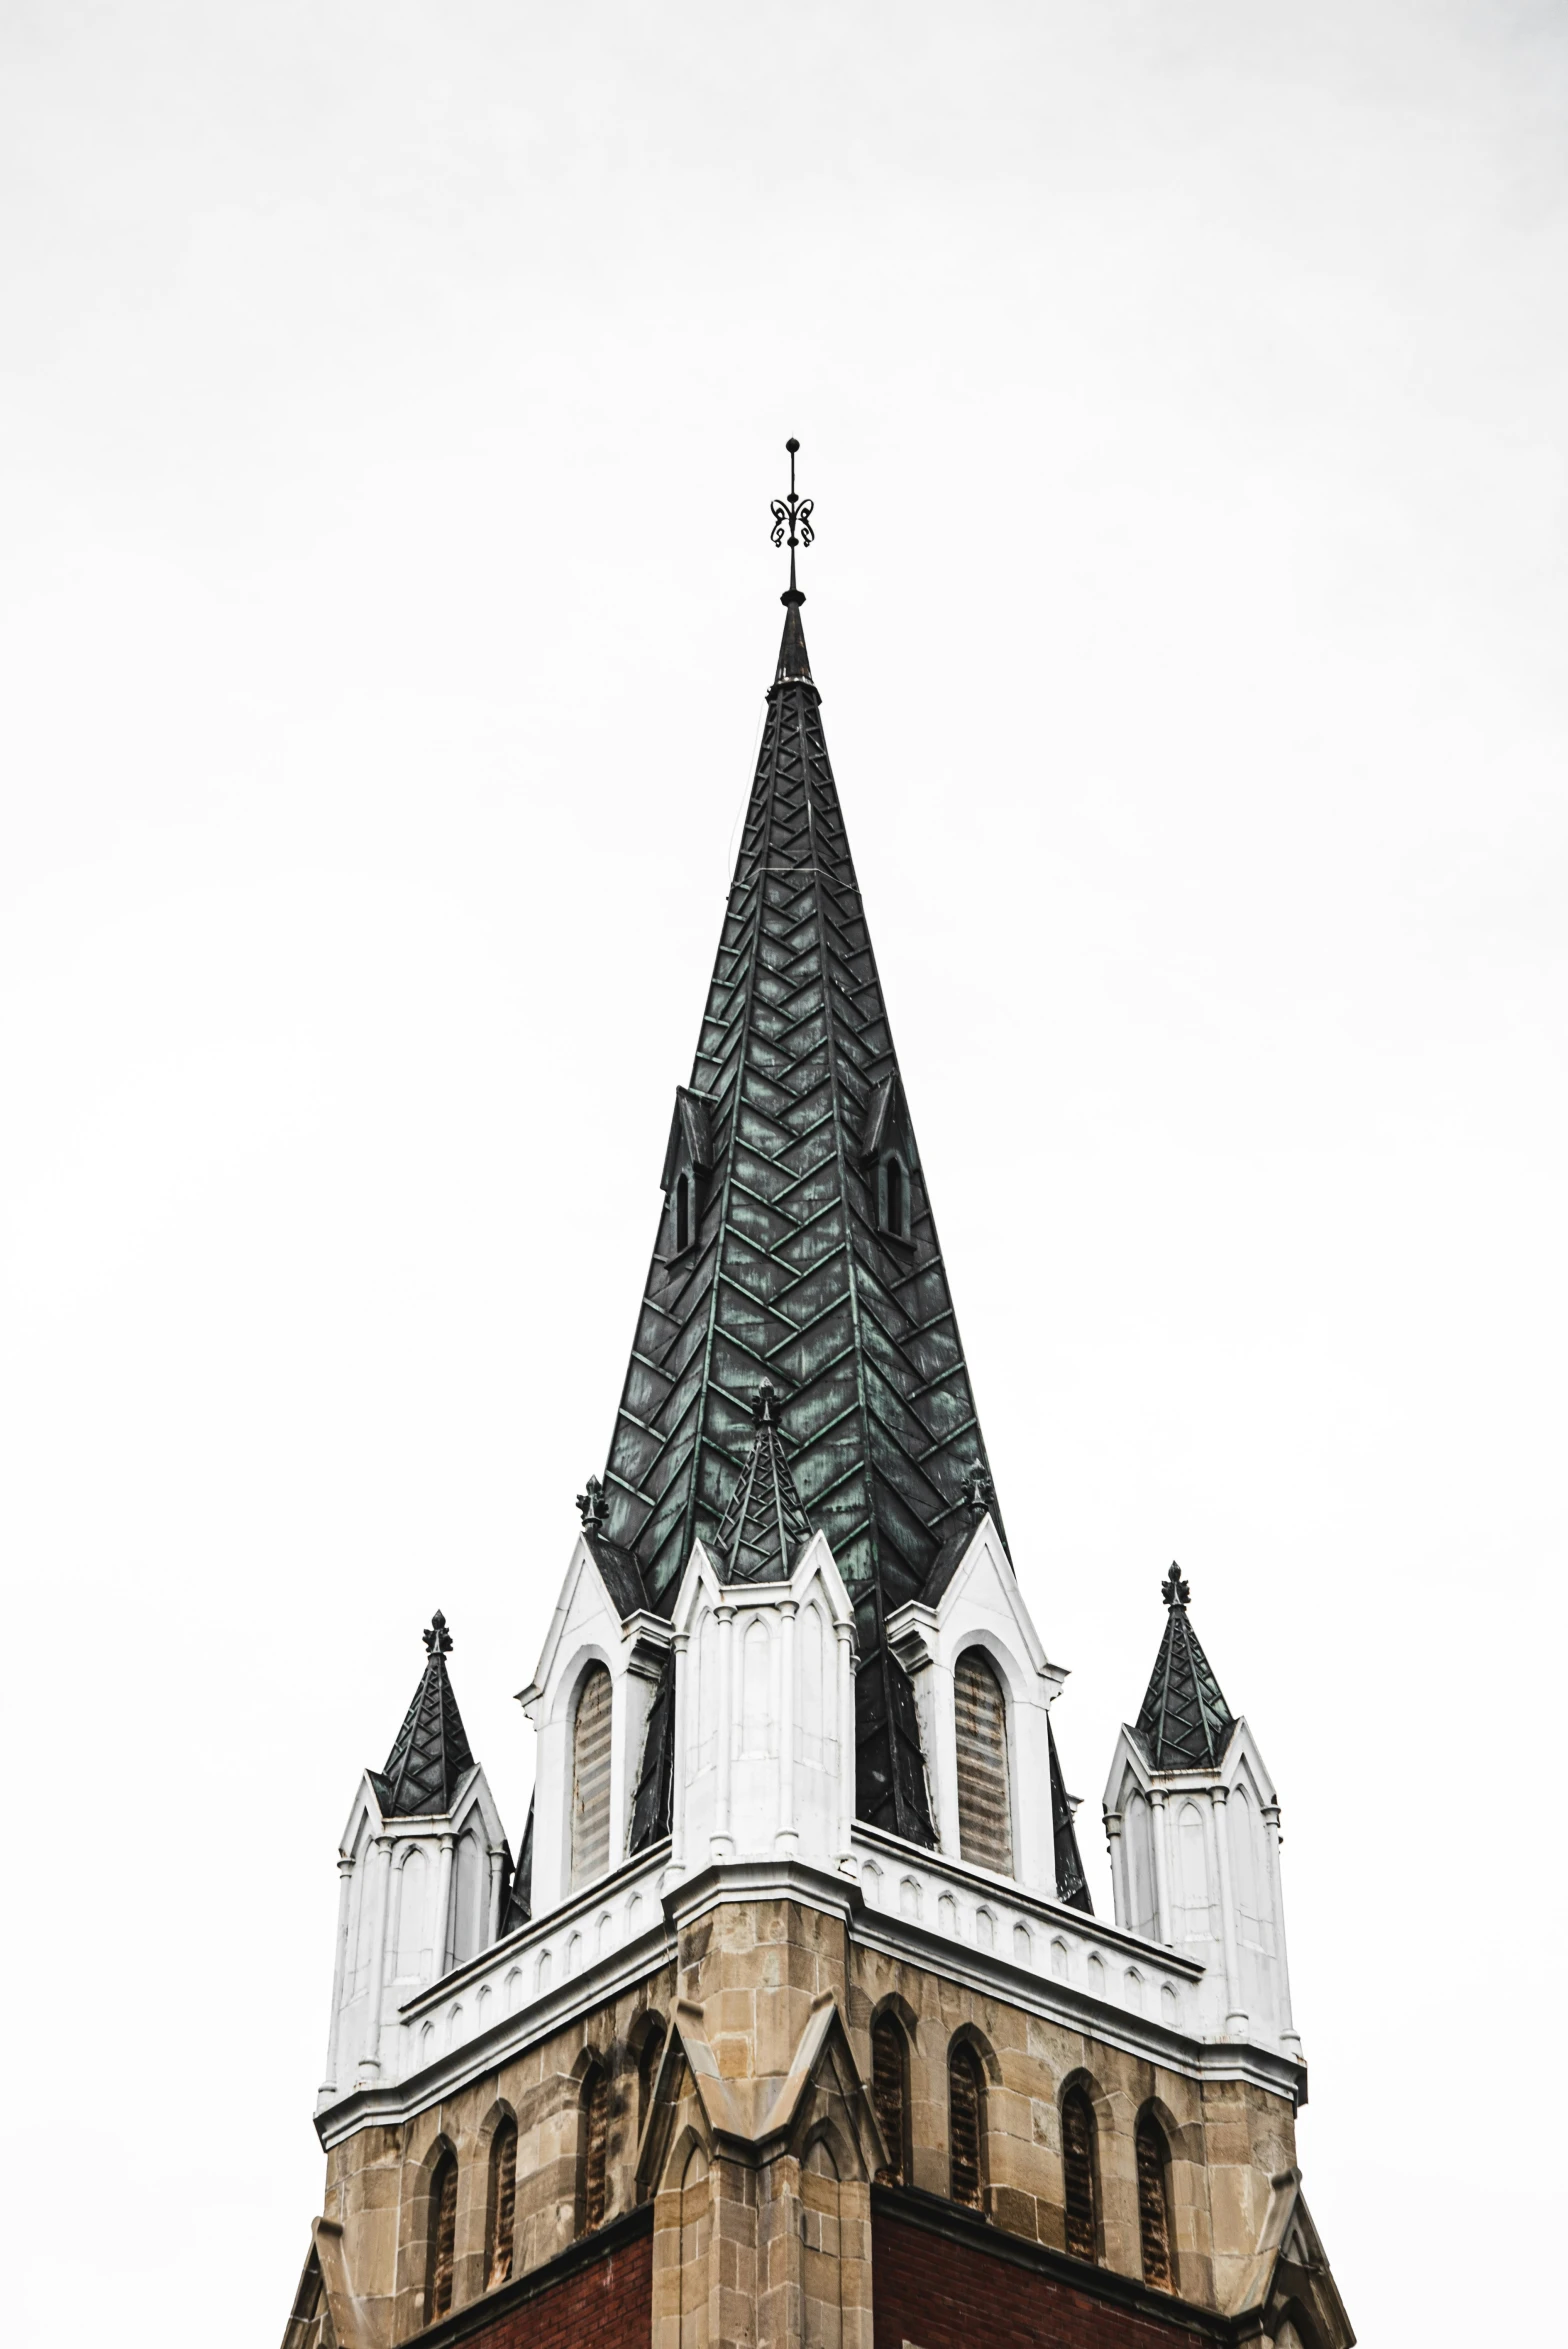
[
  {"x": 438, "y": 1640},
  {"x": 977, "y": 1492},
  {"x": 1174, "y": 1590},
  {"x": 765, "y": 1404},
  {"x": 792, "y": 523},
  {"x": 592, "y": 1506}
]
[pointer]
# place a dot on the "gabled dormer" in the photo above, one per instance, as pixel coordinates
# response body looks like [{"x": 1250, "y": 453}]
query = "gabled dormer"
[
  {"x": 887, "y": 1158},
  {"x": 688, "y": 1163}
]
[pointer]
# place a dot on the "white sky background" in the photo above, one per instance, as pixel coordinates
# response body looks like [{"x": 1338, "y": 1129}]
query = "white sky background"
[{"x": 393, "y": 400}]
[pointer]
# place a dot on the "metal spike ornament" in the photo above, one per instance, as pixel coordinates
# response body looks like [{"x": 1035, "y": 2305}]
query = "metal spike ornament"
[{"x": 792, "y": 523}]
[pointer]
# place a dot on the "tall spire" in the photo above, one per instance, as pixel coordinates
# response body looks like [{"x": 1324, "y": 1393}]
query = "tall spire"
[
  {"x": 804, "y": 1249},
  {"x": 430, "y": 1755},
  {"x": 1184, "y": 1723}
]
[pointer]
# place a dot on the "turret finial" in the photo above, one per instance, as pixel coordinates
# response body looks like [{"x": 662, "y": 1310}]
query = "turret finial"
[
  {"x": 592, "y": 1506},
  {"x": 438, "y": 1640},
  {"x": 1174, "y": 1590},
  {"x": 792, "y": 525},
  {"x": 977, "y": 1493},
  {"x": 765, "y": 1404}
]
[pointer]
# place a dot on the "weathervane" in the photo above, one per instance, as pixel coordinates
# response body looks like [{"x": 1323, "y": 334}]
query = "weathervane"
[{"x": 792, "y": 523}]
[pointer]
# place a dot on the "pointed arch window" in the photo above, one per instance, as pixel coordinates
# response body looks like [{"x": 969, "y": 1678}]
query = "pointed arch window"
[
  {"x": 595, "y": 2149},
  {"x": 1079, "y": 2182},
  {"x": 591, "y": 1777},
  {"x": 890, "y": 2093},
  {"x": 503, "y": 2205},
  {"x": 985, "y": 1811},
  {"x": 443, "y": 2238},
  {"x": 1154, "y": 2213},
  {"x": 965, "y": 2125}
]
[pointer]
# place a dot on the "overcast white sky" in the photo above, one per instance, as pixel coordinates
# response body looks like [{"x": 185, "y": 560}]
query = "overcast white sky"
[{"x": 393, "y": 398}]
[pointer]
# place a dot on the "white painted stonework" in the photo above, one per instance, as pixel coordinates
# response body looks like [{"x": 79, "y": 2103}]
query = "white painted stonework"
[
  {"x": 416, "y": 1897},
  {"x": 1191, "y": 1974},
  {"x": 982, "y": 1607},
  {"x": 1195, "y": 1868}
]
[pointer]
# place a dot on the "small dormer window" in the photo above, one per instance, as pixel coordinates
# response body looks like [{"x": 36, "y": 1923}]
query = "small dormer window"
[
  {"x": 893, "y": 1197},
  {"x": 682, "y": 1213}
]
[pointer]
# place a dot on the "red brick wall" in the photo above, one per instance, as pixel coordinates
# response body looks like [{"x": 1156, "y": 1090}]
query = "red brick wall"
[
  {"x": 608, "y": 2302},
  {"x": 946, "y": 2295}
]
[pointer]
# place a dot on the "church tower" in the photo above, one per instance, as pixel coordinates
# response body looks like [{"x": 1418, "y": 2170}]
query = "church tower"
[{"x": 793, "y": 2026}]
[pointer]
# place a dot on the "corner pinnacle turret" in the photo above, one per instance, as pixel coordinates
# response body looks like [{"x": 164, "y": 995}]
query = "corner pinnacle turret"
[
  {"x": 1184, "y": 1722},
  {"x": 430, "y": 1755}
]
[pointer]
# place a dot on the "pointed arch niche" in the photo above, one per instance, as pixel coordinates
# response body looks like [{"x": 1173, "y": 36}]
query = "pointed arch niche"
[
  {"x": 985, "y": 1809},
  {"x": 591, "y": 1723}
]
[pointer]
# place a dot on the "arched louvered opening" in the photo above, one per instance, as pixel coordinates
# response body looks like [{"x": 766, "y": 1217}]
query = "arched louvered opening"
[
  {"x": 502, "y": 2217},
  {"x": 985, "y": 1811},
  {"x": 965, "y": 2125},
  {"x": 894, "y": 1201},
  {"x": 1154, "y": 2210},
  {"x": 890, "y": 2094},
  {"x": 442, "y": 2237},
  {"x": 682, "y": 1213},
  {"x": 595, "y": 2148},
  {"x": 591, "y": 1777},
  {"x": 1079, "y": 2184}
]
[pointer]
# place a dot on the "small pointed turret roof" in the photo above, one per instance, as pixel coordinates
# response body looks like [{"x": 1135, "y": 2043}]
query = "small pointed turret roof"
[
  {"x": 1184, "y": 1723},
  {"x": 431, "y": 1755},
  {"x": 764, "y": 1527}
]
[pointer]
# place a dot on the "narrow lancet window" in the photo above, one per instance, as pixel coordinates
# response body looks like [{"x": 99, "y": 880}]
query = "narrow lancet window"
[
  {"x": 682, "y": 1214},
  {"x": 889, "y": 2092},
  {"x": 985, "y": 1817},
  {"x": 443, "y": 2238},
  {"x": 1078, "y": 2180},
  {"x": 965, "y": 2125},
  {"x": 1154, "y": 2218},
  {"x": 503, "y": 2205},
  {"x": 595, "y": 2143},
  {"x": 591, "y": 1777}
]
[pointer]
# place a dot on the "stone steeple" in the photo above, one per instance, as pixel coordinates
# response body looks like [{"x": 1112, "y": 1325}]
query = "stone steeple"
[{"x": 798, "y": 1243}]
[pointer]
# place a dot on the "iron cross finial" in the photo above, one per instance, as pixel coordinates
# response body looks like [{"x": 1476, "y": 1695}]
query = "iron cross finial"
[{"x": 792, "y": 517}]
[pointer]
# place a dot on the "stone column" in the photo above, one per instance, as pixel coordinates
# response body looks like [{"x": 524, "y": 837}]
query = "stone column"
[
  {"x": 1289, "y": 2036},
  {"x": 721, "y": 1843},
  {"x": 339, "y": 1969},
  {"x": 1118, "y": 1852},
  {"x": 680, "y": 1768},
  {"x": 785, "y": 1839},
  {"x": 370, "y": 2060},
  {"x": 1236, "y": 2018},
  {"x": 495, "y": 1855},
  {"x": 1163, "y": 1921},
  {"x": 443, "y": 1924},
  {"x": 846, "y": 1744}
]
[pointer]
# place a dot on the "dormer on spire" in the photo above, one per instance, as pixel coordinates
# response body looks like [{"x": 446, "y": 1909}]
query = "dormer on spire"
[
  {"x": 430, "y": 1755},
  {"x": 764, "y": 1527},
  {"x": 1184, "y": 1722}
]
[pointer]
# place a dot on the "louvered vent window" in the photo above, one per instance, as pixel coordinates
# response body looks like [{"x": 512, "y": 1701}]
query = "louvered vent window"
[
  {"x": 1154, "y": 2226},
  {"x": 443, "y": 2237},
  {"x": 596, "y": 2136},
  {"x": 965, "y": 2124},
  {"x": 985, "y": 1822},
  {"x": 591, "y": 1777},
  {"x": 1078, "y": 2175},
  {"x": 888, "y": 2066},
  {"x": 503, "y": 2204}
]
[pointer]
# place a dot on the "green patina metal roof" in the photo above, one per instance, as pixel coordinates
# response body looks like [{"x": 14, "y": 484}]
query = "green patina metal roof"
[
  {"x": 811, "y": 1255},
  {"x": 1184, "y": 1723},
  {"x": 430, "y": 1756}
]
